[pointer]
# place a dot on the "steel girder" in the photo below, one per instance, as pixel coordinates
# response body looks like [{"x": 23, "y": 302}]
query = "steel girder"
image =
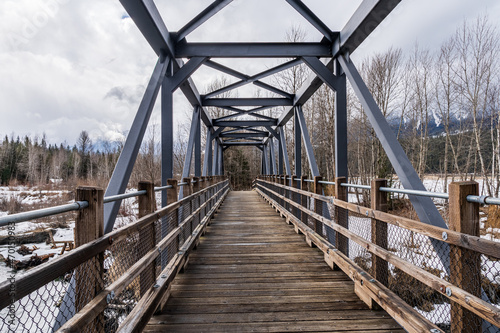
[
  {"x": 201, "y": 18},
  {"x": 123, "y": 169},
  {"x": 252, "y": 50}
]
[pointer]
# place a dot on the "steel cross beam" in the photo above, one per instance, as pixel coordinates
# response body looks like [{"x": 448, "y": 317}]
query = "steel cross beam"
[
  {"x": 312, "y": 18},
  {"x": 424, "y": 207},
  {"x": 365, "y": 19},
  {"x": 245, "y": 79},
  {"x": 123, "y": 169},
  {"x": 247, "y": 102},
  {"x": 201, "y": 18},
  {"x": 313, "y": 166},
  {"x": 285, "y": 152},
  {"x": 247, "y": 123},
  {"x": 147, "y": 18},
  {"x": 252, "y": 50},
  {"x": 243, "y": 135}
]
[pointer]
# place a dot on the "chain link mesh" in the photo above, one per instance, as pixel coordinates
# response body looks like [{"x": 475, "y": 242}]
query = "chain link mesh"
[
  {"x": 436, "y": 257},
  {"x": 50, "y": 306}
]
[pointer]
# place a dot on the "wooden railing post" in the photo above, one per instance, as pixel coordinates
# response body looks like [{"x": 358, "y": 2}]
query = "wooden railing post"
[
  {"x": 341, "y": 215},
  {"x": 318, "y": 204},
  {"x": 285, "y": 183},
  {"x": 303, "y": 187},
  {"x": 89, "y": 225},
  {"x": 379, "y": 230},
  {"x": 465, "y": 265},
  {"x": 147, "y": 235}
]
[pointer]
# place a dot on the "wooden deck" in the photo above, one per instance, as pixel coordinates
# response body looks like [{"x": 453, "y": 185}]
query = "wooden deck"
[{"x": 252, "y": 272}]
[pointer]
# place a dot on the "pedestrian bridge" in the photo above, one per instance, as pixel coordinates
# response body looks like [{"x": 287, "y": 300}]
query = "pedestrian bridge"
[{"x": 286, "y": 256}]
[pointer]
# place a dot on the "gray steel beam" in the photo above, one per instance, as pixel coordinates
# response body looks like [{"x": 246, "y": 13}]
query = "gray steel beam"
[
  {"x": 201, "y": 18},
  {"x": 280, "y": 157},
  {"x": 123, "y": 169},
  {"x": 266, "y": 160},
  {"x": 322, "y": 71},
  {"x": 273, "y": 132},
  {"x": 272, "y": 156},
  {"x": 227, "y": 70},
  {"x": 252, "y": 50},
  {"x": 247, "y": 102},
  {"x": 312, "y": 18},
  {"x": 243, "y": 135},
  {"x": 237, "y": 139},
  {"x": 313, "y": 166},
  {"x": 167, "y": 132},
  {"x": 186, "y": 71},
  {"x": 340, "y": 123},
  {"x": 245, "y": 79},
  {"x": 197, "y": 147},
  {"x": 364, "y": 20},
  {"x": 147, "y": 18},
  {"x": 191, "y": 142},
  {"x": 273, "y": 89},
  {"x": 297, "y": 145},
  {"x": 215, "y": 158},
  {"x": 241, "y": 123},
  {"x": 242, "y": 143},
  {"x": 220, "y": 161},
  {"x": 207, "y": 162},
  {"x": 424, "y": 207},
  {"x": 284, "y": 151}
]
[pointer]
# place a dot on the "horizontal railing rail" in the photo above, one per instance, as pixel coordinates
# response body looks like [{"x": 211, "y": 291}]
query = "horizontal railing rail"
[
  {"x": 288, "y": 200},
  {"x": 51, "y": 211},
  {"x": 482, "y": 199},
  {"x": 98, "y": 283}
]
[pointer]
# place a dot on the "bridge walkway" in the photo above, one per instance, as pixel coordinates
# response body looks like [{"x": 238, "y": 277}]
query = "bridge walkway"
[{"x": 252, "y": 272}]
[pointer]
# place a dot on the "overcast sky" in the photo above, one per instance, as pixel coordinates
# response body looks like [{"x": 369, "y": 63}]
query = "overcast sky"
[{"x": 69, "y": 65}]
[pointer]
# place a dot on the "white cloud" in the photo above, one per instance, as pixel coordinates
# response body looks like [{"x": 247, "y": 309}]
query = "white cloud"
[{"x": 68, "y": 65}]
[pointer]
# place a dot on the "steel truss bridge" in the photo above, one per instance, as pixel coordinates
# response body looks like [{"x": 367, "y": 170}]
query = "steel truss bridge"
[{"x": 250, "y": 271}]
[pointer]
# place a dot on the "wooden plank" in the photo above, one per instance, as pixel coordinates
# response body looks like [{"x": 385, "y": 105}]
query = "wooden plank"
[{"x": 251, "y": 272}]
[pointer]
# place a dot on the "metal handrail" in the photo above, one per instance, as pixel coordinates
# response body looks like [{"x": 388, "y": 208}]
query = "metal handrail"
[
  {"x": 78, "y": 205},
  {"x": 124, "y": 196},
  {"x": 481, "y": 199},
  {"x": 44, "y": 212}
]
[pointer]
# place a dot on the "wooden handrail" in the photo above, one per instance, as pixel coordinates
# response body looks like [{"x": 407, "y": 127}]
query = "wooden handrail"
[
  {"x": 393, "y": 304},
  {"x": 43, "y": 274},
  {"x": 478, "y": 244},
  {"x": 98, "y": 304},
  {"x": 467, "y": 300}
]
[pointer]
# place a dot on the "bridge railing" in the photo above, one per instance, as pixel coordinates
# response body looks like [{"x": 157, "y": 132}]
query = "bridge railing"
[
  {"x": 427, "y": 278},
  {"x": 107, "y": 280}
]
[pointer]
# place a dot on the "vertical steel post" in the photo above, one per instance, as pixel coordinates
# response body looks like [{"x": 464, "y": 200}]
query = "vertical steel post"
[
  {"x": 340, "y": 123},
  {"x": 207, "y": 162},
  {"x": 215, "y": 158},
  {"x": 284, "y": 150},
  {"x": 280, "y": 157},
  {"x": 167, "y": 133},
  {"x": 197, "y": 148},
  {"x": 298, "y": 144},
  {"x": 123, "y": 169}
]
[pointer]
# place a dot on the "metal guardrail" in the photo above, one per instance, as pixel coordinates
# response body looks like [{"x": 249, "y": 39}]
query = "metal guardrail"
[
  {"x": 36, "y": 214},
  {"x": 481, "y": 199},
  {"x": 45, "y": 212}
]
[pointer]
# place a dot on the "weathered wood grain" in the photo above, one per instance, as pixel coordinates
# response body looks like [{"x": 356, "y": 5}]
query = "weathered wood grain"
[{"x": 252, "y": 272}]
